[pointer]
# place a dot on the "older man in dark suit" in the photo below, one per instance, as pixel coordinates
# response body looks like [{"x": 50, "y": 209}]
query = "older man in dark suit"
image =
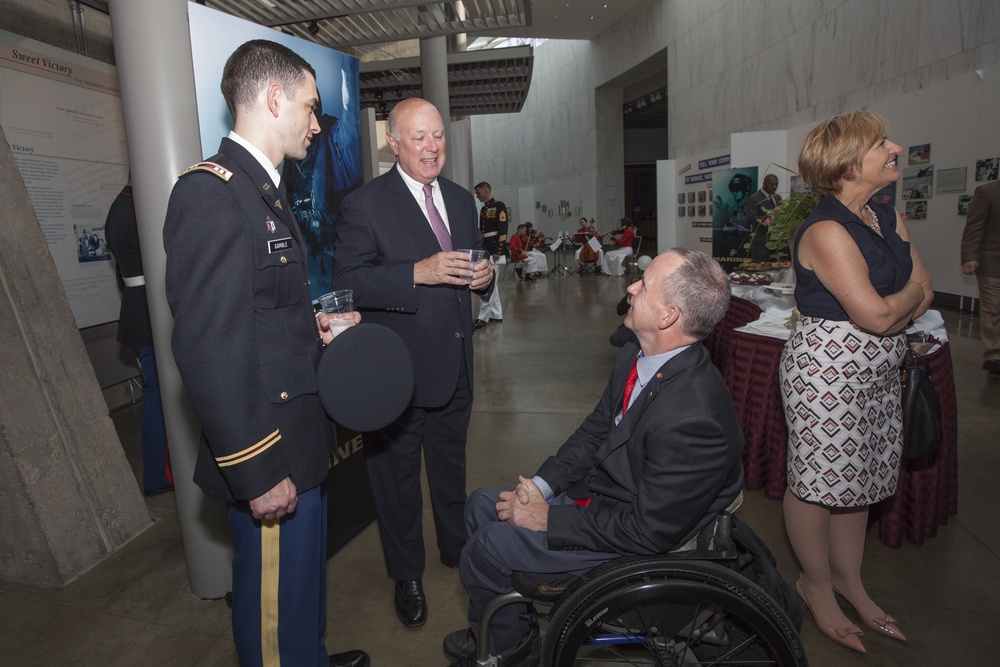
[
  {"x": 981, "y": 258},
  {"x": 651, "y": 467},
  {"x": 395, "y": 246}
]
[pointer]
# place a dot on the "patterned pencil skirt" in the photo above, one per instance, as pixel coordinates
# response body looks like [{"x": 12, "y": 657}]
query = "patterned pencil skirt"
[{"x": 840, "y": 391}]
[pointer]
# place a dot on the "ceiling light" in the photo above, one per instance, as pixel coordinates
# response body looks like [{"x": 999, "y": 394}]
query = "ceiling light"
[{"x": 313, "y": 28}]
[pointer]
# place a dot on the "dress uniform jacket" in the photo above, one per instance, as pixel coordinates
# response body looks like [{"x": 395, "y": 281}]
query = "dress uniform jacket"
[
  {"x": 493, "y": 226},
  {"x": 122, "y": 235},
  {"x": 245, "y": 338}
]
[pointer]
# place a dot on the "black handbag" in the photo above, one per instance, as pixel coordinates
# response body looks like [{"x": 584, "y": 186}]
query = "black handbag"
[{"x": 921, "y": 408}]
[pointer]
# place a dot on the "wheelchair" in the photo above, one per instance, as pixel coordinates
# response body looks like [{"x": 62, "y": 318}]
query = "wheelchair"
[{"x": 681, "y": 608}]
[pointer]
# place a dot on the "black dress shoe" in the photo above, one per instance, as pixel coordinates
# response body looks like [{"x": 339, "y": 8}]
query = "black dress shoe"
[
  {"x": 411, "y": 605},
  {"x": 450, "y": 561},
  {"x": 350, "y": 659},
  {"x": 479, "y": 324},
  {"x": 993, "y": 366}
]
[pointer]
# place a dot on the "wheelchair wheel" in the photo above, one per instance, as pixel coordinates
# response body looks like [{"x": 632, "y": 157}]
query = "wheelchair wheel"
[{"x": 651, "y": 612}]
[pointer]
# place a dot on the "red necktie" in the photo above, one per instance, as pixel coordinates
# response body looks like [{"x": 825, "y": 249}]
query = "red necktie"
[
  {"x": 633, "y": 375},
  {"x": 437, "y": 222}
]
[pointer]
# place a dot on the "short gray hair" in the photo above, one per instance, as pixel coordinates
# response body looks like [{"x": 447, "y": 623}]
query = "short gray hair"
[{"x": 700, "y": 288}]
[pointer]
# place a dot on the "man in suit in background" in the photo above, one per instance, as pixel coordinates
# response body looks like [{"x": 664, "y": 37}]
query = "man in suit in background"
[
  {"x": 247, "y": 347},
  {"x": 649, "y": 469},
  {"x": 753, "y": 212},
  {"x": 394, "y": 248},
  {"x": 981, "y": 257}
]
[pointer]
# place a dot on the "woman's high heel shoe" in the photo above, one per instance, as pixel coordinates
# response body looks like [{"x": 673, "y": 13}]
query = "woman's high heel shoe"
[
  {"x": 849, "y": 636},
  {"x": 886, "y": 626}
]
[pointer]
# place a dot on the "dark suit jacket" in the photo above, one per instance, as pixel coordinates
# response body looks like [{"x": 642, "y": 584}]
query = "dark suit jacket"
[
  {"x": 244, "y": 336},
  {"x": 659, "y": 477},
  {"x": 381, "y": 234},
  {"x": 981, "y": 238}
]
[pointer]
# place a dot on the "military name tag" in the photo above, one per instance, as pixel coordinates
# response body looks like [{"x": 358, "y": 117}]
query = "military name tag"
[{"x": 279, "y": 245}]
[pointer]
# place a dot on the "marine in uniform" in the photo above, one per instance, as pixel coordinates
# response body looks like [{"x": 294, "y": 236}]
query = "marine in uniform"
[{"x": 493, "y": 227}]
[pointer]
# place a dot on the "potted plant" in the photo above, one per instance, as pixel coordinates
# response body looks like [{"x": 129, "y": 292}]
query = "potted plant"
[{"x": 782, "y": 222}]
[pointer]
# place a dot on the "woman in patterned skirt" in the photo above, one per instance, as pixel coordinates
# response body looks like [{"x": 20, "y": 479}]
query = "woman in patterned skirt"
[{"x": 859, "y": 282}]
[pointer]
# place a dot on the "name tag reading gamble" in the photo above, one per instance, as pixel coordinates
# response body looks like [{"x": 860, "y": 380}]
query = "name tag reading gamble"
[{"x": 279, "y": 245}]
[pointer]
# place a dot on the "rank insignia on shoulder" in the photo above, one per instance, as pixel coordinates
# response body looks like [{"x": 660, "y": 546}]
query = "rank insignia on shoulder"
[
  {"x": 210, "y": 167},
  {"x": 270, "y": 224}
]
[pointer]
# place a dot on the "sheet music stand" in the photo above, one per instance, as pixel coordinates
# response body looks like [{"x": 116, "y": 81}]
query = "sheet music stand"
[{"x": 557, "y": 248}]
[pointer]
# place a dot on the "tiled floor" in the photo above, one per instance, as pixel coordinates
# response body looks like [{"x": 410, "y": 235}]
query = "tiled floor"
[{"x": 537, "y": 374}]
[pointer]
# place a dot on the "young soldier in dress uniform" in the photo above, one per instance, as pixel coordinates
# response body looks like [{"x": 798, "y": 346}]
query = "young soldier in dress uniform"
[
  {"x": 247, "y": 347},
  {"x": 493, "y": 226}
]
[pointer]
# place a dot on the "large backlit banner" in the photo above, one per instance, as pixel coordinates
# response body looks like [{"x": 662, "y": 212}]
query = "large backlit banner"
[
  {"x": 730, "y": 190},
  {"x": 62, "y": 116},
  {"x": 332, "y": 168}
]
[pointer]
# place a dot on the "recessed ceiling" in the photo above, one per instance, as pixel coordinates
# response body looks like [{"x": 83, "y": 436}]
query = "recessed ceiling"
[{"x": 492, "y": 81}]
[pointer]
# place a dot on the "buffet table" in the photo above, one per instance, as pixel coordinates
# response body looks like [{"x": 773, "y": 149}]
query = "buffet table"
[{"x": 927, "y": 493}]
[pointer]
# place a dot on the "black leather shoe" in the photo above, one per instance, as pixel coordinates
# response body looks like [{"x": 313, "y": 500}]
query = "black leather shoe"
[
  {"x": 460, "y": 644},
  {"x": 479, "y": 324},
  {"x": 350, "y": 659},
  {"x": 993, "y": 366},
  {"x": 411, "y": 605},
  {"x": 450, "y": 561}
]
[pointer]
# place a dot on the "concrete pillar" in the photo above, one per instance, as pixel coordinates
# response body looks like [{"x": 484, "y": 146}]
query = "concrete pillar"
[
  {"x": 156, "y": 76},
  {"x": 434, "y": 76},
  {"x": 68, "y": 492}
]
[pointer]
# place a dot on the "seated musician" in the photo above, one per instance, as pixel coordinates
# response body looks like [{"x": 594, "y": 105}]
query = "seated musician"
[
  {"x": 613, "y": 262},
  {"x": 650, "y": 468},
  {"x": 582, "y": 236},
  {"x": 536, "y": 249},
  {"x": 518, "y": 246}
]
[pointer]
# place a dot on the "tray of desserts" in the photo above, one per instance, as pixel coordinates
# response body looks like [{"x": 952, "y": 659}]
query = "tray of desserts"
[
  {"x": 765, "y": 266},
  {"x": 749, "y": 278}
]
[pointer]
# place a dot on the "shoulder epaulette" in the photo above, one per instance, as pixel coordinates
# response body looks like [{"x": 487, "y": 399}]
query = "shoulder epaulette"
[{"x": 210, "y": 167}]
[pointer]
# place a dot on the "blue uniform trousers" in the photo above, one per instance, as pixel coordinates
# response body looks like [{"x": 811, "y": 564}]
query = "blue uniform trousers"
[
  {"x": 156, "y": 474},
  {"x": 279, "y": 584}
]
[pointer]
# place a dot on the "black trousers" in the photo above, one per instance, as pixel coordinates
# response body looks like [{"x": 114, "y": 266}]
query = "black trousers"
[{"x": 393, "y": 459}]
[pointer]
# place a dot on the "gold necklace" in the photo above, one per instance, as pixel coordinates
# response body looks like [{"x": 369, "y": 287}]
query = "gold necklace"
[{"x": 873, "y": 225}]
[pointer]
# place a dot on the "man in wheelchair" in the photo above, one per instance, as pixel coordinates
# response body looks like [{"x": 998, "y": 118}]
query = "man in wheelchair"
[{"x": 653, "y": 465}]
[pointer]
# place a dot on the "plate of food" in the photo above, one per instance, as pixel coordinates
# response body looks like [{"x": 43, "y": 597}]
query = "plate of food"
[
  {"x": 749, "y": 278},
  {"x": 782, "y": 288}
]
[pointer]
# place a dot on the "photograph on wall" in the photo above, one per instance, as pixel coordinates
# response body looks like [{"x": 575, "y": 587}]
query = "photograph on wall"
[
  {"x": 702, "y": 210},
  {"x": 90, "y": 244},
  {"x": 986, "y": 170},
  {"x": 951, "y": 180},
  {"x": 681, "y": 211},
  {"x": 920, "y": 154},
  {"x": 731, "y": 188},
  {"x": 702, "y": 195},
  {"x": 918, "y": 182},
  {"x": 690, "y": 197},
  {"x": 316, "y": 185},
  {"x": 916, "y": 210},
  {"x": 681, "y": 198},
  {"x": 963, "y": 204},
  {"x": 886, "y": 195},
  {"x": 691, "y": 211}
]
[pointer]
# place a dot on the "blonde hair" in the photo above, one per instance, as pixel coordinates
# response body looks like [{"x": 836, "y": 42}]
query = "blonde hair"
[{"x": 833, "y": 150}]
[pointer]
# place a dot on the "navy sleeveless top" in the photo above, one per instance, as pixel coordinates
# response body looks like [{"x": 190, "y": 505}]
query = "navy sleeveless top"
[{"x": 889, "y": 261}]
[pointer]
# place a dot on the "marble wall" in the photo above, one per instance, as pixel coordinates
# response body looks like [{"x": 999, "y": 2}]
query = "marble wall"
[{"x": 733, "y": 66}]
